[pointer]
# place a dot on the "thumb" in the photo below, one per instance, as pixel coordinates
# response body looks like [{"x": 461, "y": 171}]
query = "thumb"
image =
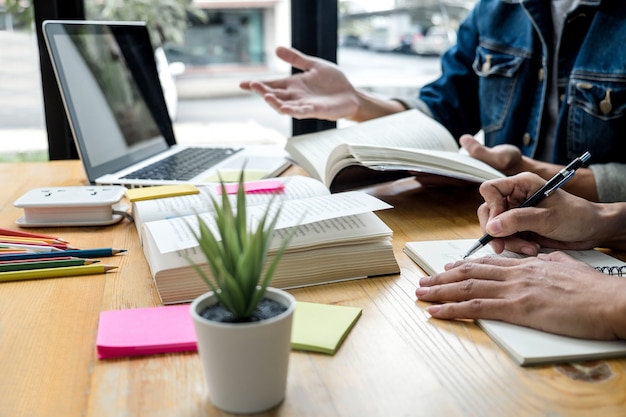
[
  {"x": 473, "y": 147},
  {"x": 295, "y": 58}
]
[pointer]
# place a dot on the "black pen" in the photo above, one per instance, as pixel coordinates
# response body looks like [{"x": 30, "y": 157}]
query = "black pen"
[{"x": 548, "y": 188}]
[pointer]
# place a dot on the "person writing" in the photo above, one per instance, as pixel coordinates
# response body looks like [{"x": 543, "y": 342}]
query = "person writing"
[
  {"x": 550, "y": 292},
  {"x": 534, "y": 75}
]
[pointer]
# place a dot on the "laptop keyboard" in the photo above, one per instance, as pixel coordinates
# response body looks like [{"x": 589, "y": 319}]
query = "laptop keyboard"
[{"x": 183, "y": 165}]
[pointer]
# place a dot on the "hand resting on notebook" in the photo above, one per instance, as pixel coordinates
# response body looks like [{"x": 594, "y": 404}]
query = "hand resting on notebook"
[{"x": 550, "y": 292}]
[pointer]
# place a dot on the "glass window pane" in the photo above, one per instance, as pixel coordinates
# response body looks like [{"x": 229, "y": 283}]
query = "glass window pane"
[{"x": 22, "y": 126}]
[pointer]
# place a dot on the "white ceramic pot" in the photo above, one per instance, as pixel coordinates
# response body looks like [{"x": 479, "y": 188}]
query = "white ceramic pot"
[{"x": 245, "y": 364}]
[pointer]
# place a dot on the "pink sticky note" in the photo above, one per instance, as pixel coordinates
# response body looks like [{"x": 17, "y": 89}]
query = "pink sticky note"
[
  {"x": 145, "y": 331},
  {"x": 261, "y": 186}
]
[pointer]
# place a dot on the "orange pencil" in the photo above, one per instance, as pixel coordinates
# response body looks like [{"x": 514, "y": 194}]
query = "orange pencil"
[
  {"x": 22, "y": 239},
  {"x": 9, "y": 232}
]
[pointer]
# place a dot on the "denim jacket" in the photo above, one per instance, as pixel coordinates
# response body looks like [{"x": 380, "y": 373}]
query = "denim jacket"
[{"x": 496, "y": 77}]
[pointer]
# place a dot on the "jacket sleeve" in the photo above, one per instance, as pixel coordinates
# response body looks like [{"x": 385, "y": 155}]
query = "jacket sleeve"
[{"x": 610, "y": 181}]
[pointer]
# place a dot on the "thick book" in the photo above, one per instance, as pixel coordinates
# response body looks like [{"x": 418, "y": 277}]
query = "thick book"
[
  {"x": 400, "y": 145},
  {"x": 524, "y": 345},
  {"x": 339, "y": 238}
]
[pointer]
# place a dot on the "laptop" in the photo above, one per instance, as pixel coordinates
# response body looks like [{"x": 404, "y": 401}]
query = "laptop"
[{"x": 109, "y": 83}]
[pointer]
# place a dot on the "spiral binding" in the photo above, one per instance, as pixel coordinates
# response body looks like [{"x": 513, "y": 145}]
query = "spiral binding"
[{"x": 612, "y": 270}]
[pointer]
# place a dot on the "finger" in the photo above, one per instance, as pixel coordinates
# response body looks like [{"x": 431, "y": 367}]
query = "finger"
[
  {"x": 461, "y": 291},
  {"x": 487, "y": 267},
  {"x": 304, "y": 111},
  {"x": 559, "y": 256},
  {"x": 296, "y": 58},
  {"x": 296, "y": 111},
  {"x": 473, "y": 147},
  {"x": 494, "y": 309},
  {"x": 518, "y": 245},
  {"x": 267, "y": 87},
  {"x": 520, "y": 220}
]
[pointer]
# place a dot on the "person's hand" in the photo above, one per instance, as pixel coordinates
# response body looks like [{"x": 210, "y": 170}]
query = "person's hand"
[
  {"x": 507, "y": 159},
  {"x": 551, "y": 292},
  {"x": 561, "y": 221},
  {"x": 321, "y": 91}
]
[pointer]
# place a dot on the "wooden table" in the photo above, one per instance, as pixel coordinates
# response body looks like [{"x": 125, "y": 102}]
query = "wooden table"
[{"x": 395, "y": 362}]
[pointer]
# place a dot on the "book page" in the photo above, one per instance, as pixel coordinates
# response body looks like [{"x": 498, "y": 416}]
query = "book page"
[
  {"x": 175, "y": 233},
  {"x": 296, "y": 187},
  {"x": 451, "y": 164},
  {"x": 408, "y": 129},
  {"x": 339, "y": 231}
]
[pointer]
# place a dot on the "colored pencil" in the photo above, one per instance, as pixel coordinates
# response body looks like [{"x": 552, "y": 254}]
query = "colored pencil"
[
  {"x": 19, "y": 261},
  {"x": 51, "y": 263},
  {"x": 28, "y": 241},
  {"x": 9, "y": 232},
  {"x": 79, "y": 253},
  {"x": 60, "y": 272},
  {"x": 33, "y": 248}
]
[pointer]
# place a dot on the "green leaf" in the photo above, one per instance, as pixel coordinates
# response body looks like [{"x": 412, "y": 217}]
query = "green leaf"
[{"x": 237, "y": 253}]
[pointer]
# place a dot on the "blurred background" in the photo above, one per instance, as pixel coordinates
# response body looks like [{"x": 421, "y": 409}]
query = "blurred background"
[{"x": 204, "y": 48}]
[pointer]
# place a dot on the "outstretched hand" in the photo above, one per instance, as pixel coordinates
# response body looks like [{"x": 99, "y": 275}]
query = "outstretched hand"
[{"x": 320, "y": 91}]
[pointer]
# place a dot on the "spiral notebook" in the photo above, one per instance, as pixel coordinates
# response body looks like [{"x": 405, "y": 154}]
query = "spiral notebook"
[{"x": 524, "y": 345}]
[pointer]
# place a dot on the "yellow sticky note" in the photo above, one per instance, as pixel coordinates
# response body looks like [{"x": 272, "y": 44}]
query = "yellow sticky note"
[
  {"x": 160, "y": 191},
  {"x": 321, "y": 327},
  {"x": 233, "y": 175}
]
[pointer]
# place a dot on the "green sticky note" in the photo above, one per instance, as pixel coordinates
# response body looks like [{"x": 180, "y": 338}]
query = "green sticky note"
[{"x": 321, "y": 327}]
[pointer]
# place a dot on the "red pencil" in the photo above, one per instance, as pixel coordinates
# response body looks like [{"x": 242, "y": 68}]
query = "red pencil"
[{"x": 19, "y": 233}]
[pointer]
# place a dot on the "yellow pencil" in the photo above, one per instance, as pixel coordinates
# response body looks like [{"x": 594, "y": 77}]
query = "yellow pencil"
[{"x": 59, "y": 272}]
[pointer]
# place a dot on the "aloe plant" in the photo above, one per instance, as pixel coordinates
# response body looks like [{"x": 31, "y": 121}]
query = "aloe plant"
[{"x": 237, "y": 257}]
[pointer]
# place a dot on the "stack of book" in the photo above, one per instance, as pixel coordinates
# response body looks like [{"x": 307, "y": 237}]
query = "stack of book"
[{"x": 339, "y": 237}]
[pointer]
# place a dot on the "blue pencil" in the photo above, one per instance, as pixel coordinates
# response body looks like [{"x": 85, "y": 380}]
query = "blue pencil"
[{"x": 79, "y": 253}]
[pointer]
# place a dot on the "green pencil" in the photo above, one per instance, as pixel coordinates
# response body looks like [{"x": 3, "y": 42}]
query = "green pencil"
[
  {"x": 52, "y": 263},
  {"x": 62, "y": 271}
]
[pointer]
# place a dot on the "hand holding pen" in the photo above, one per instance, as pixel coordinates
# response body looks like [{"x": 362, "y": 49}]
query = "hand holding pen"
[{"x": 544, "y": 191}]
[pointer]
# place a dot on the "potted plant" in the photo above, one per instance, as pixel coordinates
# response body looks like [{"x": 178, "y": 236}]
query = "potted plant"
[{"x": 243, "y": 326}]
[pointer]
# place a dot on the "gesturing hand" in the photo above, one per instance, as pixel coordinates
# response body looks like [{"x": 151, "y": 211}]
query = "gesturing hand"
[{"x": 321, "y": 91}]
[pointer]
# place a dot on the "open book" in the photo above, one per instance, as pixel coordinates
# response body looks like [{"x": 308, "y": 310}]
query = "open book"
[
  {"x": 524, "y": 345},
  {"x": 383, "y": 149},
  {"x": 339, "y": 238},
  {"x": 295, "y": 188}
]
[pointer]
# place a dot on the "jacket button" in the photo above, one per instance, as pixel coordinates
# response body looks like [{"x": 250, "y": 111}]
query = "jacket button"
[
  {"x": 487, "y": 64},
  {"x": 562, "y": 97},
  {"x": 526, "y": 139},
  {"x": 541, "y": 74},
  {"x": 605, "y": 105}
]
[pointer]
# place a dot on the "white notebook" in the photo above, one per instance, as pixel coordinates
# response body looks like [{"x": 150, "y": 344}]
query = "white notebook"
[{"x": 524, "y": 345}]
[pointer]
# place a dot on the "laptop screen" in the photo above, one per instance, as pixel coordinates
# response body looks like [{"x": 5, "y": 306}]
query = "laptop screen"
[{"x": 111, "y": 92}]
